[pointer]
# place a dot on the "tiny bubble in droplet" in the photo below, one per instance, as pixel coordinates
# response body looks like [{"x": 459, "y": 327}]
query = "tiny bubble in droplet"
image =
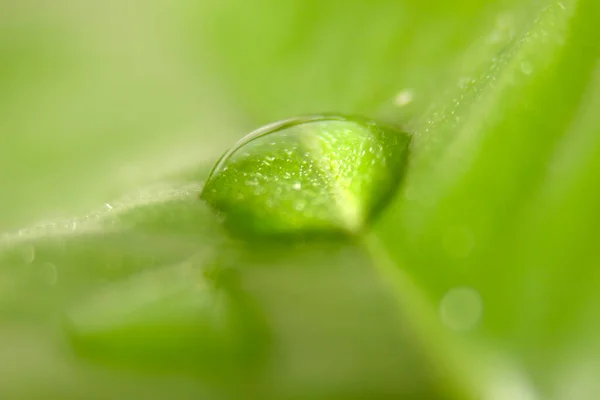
[{"x": 297, "y": 186}]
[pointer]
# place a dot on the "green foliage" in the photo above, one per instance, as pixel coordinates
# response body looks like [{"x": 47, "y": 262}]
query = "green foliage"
[{"x": 478, "y": 281}]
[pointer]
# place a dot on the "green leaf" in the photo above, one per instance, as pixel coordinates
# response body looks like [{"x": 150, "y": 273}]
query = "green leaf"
[
  {"x": 482, "y": 171},
  {"x": 479, "y": 281}
]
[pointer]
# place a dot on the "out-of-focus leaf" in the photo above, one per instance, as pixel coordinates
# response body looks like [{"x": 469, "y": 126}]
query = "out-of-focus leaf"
[{"x": 484, "y": 160}]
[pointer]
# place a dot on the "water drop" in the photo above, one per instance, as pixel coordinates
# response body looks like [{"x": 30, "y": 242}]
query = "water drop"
[{"x": 314, "y": 174}]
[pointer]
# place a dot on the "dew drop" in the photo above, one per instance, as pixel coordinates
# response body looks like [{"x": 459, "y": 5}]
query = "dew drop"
[{"x": 328, "y": 173}]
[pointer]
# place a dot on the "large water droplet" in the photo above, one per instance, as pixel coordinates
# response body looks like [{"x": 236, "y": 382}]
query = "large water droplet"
[{"x": 319, "y": 175}]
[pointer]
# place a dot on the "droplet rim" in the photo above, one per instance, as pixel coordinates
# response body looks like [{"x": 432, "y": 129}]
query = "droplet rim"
[{"x": 279, "y": 126}]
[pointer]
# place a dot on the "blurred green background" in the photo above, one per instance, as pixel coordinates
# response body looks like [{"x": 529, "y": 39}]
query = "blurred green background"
[{"x": 479, "y": 282}]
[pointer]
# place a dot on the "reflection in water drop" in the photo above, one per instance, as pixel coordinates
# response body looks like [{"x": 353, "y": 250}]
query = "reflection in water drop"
[{"x": 461, "y": 308}]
